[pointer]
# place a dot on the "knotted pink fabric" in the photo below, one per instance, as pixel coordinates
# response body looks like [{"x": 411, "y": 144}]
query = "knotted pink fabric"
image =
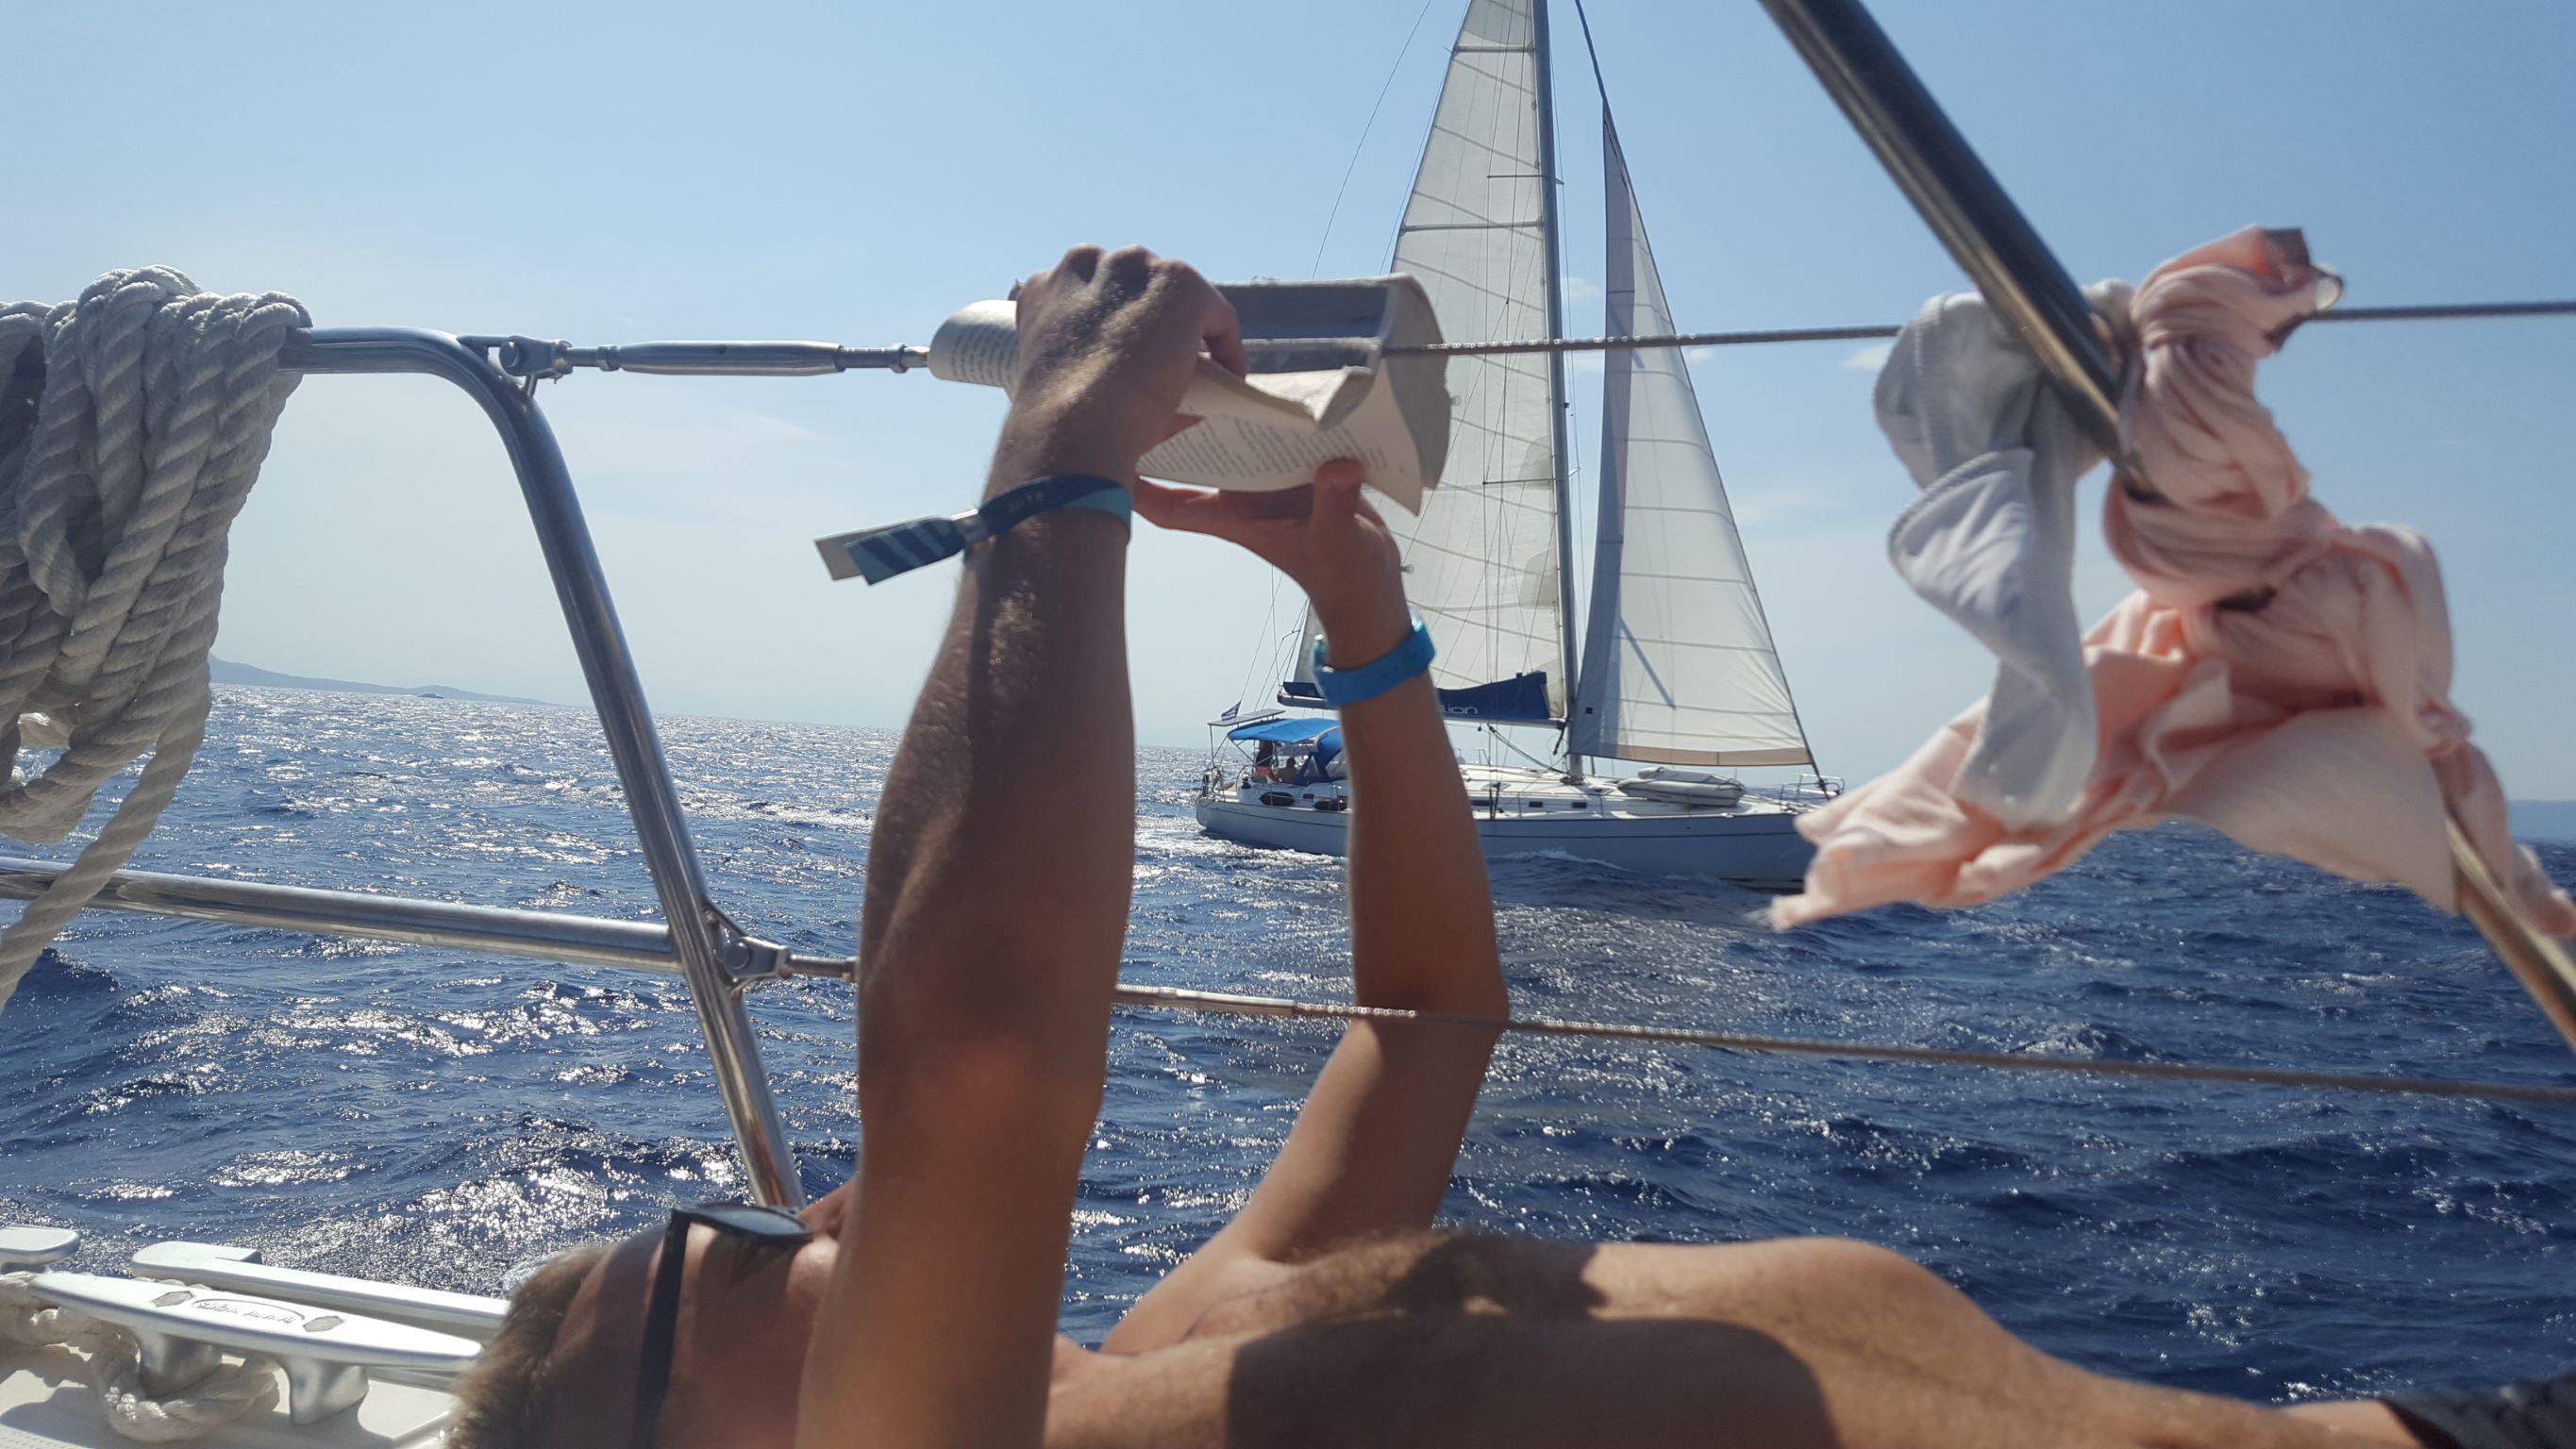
[{"x": 2277, "y": 675}]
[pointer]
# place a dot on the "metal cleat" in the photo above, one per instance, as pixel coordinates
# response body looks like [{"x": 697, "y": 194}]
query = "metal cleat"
[
  {"x": 217, "y": 1265},
  {"x": 184, "y": 1331},
  {"x": 26, "y": 1246}
]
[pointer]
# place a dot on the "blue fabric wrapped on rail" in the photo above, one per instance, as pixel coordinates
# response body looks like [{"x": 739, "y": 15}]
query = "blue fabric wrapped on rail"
[{"x": 1521, "y": 699}]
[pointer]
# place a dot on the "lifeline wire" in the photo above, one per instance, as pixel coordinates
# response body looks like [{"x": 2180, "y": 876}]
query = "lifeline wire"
[
  {"x": 2429, "y": 312},
  {"x": 1176, "y": 999},
  {"x": 1171, "y": 998}
]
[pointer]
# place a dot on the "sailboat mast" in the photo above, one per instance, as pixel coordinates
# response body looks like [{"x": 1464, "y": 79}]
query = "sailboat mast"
[{"x": 1556, "y": 360}]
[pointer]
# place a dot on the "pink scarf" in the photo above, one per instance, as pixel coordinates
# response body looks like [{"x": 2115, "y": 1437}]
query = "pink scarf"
[{"x": 2277, "y": 675}]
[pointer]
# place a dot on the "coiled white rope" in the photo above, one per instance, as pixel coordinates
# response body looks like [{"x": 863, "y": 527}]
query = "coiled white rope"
[
  {"x": 233, "y": 1391},
  {"x": 132, "y": 424}
]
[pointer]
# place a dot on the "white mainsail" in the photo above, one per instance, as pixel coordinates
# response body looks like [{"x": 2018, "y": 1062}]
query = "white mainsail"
[
  {"x": 1480, "y": 560},
  {"x": 1678, "y": 664}
]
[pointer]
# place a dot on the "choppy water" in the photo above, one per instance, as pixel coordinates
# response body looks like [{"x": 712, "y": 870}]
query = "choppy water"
[{"x": 415, "y": 1113}]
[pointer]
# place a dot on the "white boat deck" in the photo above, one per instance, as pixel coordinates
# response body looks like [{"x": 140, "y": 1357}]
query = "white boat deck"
[
  {"x": 367, "y": 1363},
  {"x": 46, "y": 1403}
]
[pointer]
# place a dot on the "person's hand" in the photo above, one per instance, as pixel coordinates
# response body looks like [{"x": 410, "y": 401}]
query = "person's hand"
[
  {"x": 1325, "y": 536},
  {"x": 1107, "y": 346},
  {"x": 826, "y": 1214}
]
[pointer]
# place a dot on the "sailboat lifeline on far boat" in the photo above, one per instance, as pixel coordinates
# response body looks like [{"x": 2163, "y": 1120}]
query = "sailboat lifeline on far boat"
[{"x": 1677, "y": 667}]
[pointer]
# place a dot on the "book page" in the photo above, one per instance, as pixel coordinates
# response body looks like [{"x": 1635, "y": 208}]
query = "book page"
[
  {"x": 978, "y": 344},
  {"x": 1262, "y": 433},
  {"x": 1250, "y": 456}
]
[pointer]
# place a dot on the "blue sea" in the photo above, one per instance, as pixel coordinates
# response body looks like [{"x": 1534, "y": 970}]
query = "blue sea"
[{"x": 421, "y": 1114}]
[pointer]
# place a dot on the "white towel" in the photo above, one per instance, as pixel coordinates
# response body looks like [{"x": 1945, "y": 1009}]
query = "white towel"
[{"x": 1991, "y": 542}]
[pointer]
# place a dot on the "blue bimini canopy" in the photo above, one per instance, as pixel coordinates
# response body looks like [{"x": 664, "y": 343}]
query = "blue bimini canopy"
[{"x": 1293, "y": 730}]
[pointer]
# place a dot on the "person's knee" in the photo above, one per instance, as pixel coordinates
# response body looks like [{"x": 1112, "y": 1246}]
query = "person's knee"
[
  {"x": 1865, "y": 1282},
  {"x": 1868, "y": 1270}
]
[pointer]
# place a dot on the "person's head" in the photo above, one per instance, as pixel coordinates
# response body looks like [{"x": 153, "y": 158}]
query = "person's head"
[{"x": 564, "y": 1367}]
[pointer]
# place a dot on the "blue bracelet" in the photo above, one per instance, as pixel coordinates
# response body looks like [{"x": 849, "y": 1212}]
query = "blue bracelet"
[
  {"x": 878, "y": 554},
  {"x": 1343, "y": 687}
]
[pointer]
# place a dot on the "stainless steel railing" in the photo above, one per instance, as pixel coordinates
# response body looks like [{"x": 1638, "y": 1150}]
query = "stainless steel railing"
[
  {"x": 695, "y": 933},
  {"x": 498, "y": 930}
]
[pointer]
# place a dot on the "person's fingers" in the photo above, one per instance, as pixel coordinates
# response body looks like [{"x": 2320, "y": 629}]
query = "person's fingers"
[
  {"x": 1337, "y": 494},
  {"x": 1192, "y": 510},
  {"x": 1347, "y": 473},
  {"x": 1288, "y": 505},
  {"x": 1128, "y": 271},
  {"x": 1080, "y": 262},
  {"x": 1222, "y": 333},
  {"x": 1266, "y": 523},
  {"x": 1163, "y": 505}
]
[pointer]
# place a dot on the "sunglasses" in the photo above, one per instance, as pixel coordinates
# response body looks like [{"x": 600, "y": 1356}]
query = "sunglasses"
[{"x": 759, "y": 1230}]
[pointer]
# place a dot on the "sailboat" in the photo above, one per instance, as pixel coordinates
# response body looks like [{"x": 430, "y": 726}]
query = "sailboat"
[{"x": 1675, "y": 669}]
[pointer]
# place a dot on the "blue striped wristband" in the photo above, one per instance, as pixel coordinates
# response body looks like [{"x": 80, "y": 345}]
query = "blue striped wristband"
[{"x": 878, "y": 554}]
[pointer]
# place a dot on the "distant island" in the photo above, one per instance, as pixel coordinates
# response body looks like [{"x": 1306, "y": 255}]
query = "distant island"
[
  {"x": 224, "y": 671},
  {"x": 2545, "y": 819}
]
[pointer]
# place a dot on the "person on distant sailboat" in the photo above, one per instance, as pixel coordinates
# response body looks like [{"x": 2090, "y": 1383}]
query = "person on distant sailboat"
[{"x": 914, "y": 1308}]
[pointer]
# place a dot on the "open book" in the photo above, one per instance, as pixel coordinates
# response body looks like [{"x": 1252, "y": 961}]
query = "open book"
[{"x": 1321, "y": 387}]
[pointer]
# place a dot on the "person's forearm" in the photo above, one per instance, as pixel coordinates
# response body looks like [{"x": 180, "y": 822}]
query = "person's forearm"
[
  {"x": 998, "y": 878},
  {"x": 1422, "y": 914},
  {"x": 1005, "y": 837},
  {"x": 998, "y": 881}
]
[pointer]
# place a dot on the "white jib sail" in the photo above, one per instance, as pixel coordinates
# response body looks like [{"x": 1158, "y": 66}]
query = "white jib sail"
[
  {"x": 1678, "y": 665},
  {"x": 1480, "y": 560}
]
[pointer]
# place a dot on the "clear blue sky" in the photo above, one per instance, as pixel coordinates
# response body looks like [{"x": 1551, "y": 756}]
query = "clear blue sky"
[{"x": 638, "y": 171}]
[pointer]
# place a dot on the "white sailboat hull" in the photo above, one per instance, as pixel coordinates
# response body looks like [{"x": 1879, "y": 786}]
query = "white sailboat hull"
[{"x": 1754, "y": 844}]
